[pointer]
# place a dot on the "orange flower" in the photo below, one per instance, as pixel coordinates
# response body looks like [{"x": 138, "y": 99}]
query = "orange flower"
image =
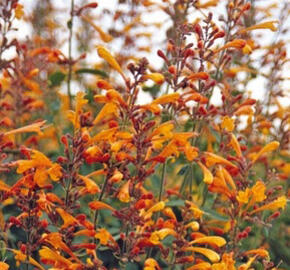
[
  {"x": 44, "y": 168},
  {"x": 151, "y": 264},
  {"x": 20, "y": 257},
  {"x": 97, "y": 205},
  {"x": 157, "y": 236},
  {"x": 55, "y": 240},
  {"x": 156, "y": 77},
  {"x": 207, "y": 176},
  {"x": 35, "y": 127},
  {"x": 265, "y": 25},
  {"x": 210, "y": 254},
  {"x": 212, "y": 159},
  {"x": 106, "y": 55},
  {"x": 236, "y": 43},
  {"x": 104, "y": 236},
  {"x": 198, "y": 76},
  {"x": 68, "y": 220},
  {"x": 227, "y": 263},
  {"x": 236, "y": 146},
  {"x": 74, "y": 116},
  {"x": 169, "y": 98},
  {"x": 90, "y": 186},
  {"x": 228, "y": 123},
  {"x": 123, "y": 194},
  {"x": 104, "y": 36},
  {"x": 215, "y": 240},
  {"x": 243, "y": 196},
  {"x": 260, "y": 252},
  {"x": 280, "y": 202},
  {"x": 110, "y": 109},
  {"x": 267, "y": 148},
  {"x": 53, "y": 258},
  {"x": 4, "y": 266}
]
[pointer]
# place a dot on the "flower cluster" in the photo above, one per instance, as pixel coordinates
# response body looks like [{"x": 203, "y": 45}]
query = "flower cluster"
[{"x": 192, "y": 177}]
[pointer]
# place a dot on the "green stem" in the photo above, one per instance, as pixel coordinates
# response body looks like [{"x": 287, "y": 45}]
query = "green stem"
[
  {"x": 100, "y": 199},
  {"x": 69, "y": 76},
  {"x": 162, "y": 181}
]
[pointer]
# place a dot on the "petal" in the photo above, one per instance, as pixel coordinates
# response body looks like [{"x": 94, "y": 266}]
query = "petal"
[
  {"x": 267, "y": 148},
  {"x": 207, "y": 175},
  {"x": 97, "y": 205},
  {"x": 210, "y": 254},
  {"x": 106, "y": 55},
  {"x": 216, "y": 240}
]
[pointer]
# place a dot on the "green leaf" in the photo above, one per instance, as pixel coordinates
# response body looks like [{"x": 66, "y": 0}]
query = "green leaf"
[
  {"x": 176, "y": 203},
  {"x": 153, "y": 90},
  {"x": 56, "y": 78},
  {"x": 183, "y": 170},
  {"x": 2, "y": 249},
  {"x": 92, "y": 71},
  {"x": 214, "y": 214},
  {"x": 132, "y": 266}
]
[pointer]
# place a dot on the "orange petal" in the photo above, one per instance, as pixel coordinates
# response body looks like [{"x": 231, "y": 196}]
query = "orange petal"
[
  {"x": 216, "y": 240},
  {"x": 97, "y": 205},
  {"x": 213, "y": 159},
  {"x": 210, "y": 254},
  {"x": 265, "y": 25},
  {"x": 156, "y": 77},
  {"x": 106, "y": 55},
  {"x": 169, "y": 98},
  {"x": 268, "y": 148},
  {"x": 207, "y": 175}
]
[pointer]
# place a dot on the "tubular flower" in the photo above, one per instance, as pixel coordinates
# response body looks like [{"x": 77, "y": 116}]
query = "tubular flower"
[
  {"x": 236, "y": 43},
  {"x": 123, "y": 194},
  {"x": 68, "y": 220},
  {"x": 212, "y": 159},
  {"x": 228, "y": 123},
  {"x": 267, "y": 148},
  {"x": 280, "y": 202},
  {"x": 104, "y": 36},
  {"x": 169, "y": 98},
  {"x": 106, "y": 55},
  {"x": 44, "y": 168},
  {"x": 227, "y": 263},
  {"x": 74, "y": 116},
  {"x": 20, "y": 257},
  {"x": 157, "y": 236},
  {"x": 212, "y": 240},
  {"x": 256, "y": 193},
  {"x": 265, "y": 25},
  {"x": 158, "y": 78},
  {"x": 53, "y": 258},
  {"x": 97, "y": 205},
  {"x": 35, "y": 127},
  {"x": 104, "y": 236},
  {"x": 210, "y": 254},
  {"x": 207, "y": 176},
  {"x": 151, "y": 264}
]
